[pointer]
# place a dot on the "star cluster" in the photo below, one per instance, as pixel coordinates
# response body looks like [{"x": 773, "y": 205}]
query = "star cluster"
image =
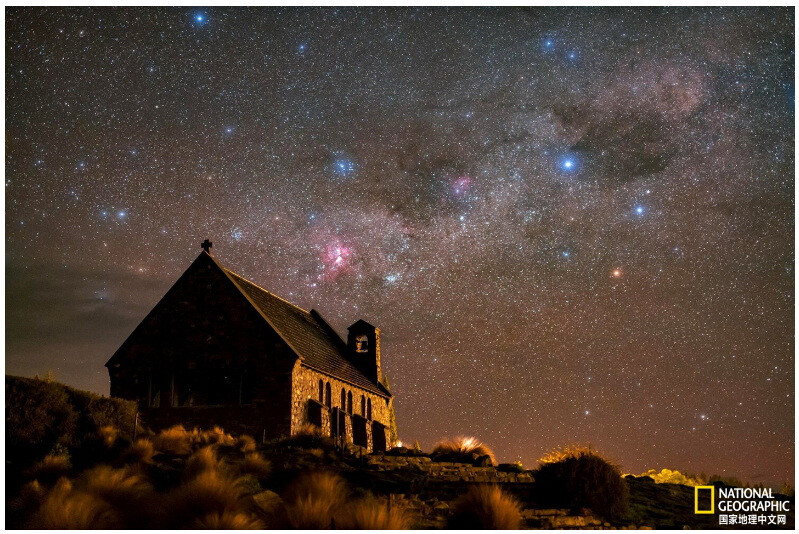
[{"x": 571, "y": 225}]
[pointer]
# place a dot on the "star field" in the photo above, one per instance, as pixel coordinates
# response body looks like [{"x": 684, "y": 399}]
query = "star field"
[{"x": 571, "y": 225}]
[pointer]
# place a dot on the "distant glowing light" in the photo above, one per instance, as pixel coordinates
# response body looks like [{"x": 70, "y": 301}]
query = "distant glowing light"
[
  {"x": 639, "y": 210},
  {"x": 616, "y": 273},
  {"x": 548, "y": 45},
  {"x": 200, "y": 19},
  {"x": 121, "y": 214}
]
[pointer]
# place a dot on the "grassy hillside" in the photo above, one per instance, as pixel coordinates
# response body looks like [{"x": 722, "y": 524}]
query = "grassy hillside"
[{"x": 72, "y": 463}]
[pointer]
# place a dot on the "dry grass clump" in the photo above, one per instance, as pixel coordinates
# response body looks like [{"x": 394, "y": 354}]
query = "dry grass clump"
[
  {"x": 313, "y": 500},
  {"x": 108, "y": 434},
  {"x": 462, "y": 449},
  {"x": 309, "y": 436},
  {"x": 485, "y": 507},
  {"x": 257, "y": 465},
  {"x": 229, "y": 521},
  {"x": 65, "y": 508},
  {"x": 200, "y": 462},
  {"x": 583, "y": 479},
  {"x": 559, "y": 454},
  {"x": 130, "y": 494},
  {"x": 140, "y": 451},
  {"x": 174, "y": 440},
  {"x": 208, "y": 492},
  {"x": 370, "y": 514},
  {"x": 50, "y": 468},
  {"x": 246, "y": 443},
  {"x": 215, "y": 436}
]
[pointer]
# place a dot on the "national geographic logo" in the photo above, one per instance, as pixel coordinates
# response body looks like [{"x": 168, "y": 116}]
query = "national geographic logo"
[
  {"x": 741, "y": 506},
  {"x": 704, "y": 508}
]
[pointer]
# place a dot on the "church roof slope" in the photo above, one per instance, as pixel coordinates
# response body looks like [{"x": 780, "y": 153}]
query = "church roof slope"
[{"x": 317, "y": 346}]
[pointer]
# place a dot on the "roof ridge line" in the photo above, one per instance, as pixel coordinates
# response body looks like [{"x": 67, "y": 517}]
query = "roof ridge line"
[{"x": 266, "y": 291}]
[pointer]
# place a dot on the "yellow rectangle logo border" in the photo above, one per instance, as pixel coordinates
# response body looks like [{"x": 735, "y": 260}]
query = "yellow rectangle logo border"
[{"x": 712, "y": 500}]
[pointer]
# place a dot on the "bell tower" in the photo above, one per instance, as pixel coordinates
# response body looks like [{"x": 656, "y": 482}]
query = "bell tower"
[{"x": 363, "y": 342}]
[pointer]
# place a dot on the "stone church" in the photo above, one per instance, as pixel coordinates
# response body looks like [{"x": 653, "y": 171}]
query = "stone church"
[{"x": 220, "y": 350}]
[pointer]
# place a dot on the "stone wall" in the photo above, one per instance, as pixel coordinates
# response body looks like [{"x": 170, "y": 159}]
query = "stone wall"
[
  {"x": 305, "y": 393},
  {"x": 447, "y": 471}
]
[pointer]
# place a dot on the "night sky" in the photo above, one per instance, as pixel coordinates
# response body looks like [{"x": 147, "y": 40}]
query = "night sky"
[{"x": 570, "y": 225}]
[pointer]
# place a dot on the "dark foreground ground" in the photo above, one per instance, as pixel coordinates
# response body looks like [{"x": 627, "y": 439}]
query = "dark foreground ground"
[{"x": 77, "y": 432}]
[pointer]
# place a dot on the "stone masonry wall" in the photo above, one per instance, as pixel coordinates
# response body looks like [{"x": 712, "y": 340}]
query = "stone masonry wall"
[{"x": 305, "y": 385}]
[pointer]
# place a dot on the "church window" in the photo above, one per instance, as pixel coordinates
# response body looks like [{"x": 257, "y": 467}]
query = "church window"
[
  {"x": 321, "y": 392},
  {"x": 369, "y": 409},
  {"x": 363, "y": 406},
  {"x": 343, "y": 399},
  {"x": 349, "y": 402},
  {"x": 328, "y": 400},
  {"x": 362, "y": 343}
]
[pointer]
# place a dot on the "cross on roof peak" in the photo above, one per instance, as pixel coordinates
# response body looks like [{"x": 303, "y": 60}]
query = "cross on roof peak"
[{"x": 206, "y": 246}]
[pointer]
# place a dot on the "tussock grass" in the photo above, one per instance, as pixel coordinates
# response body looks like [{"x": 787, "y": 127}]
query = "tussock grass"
[
  {"x": 582, "y": 479},
  {"x": 108, "y": 435},
  {"x": 371, "y": 514},
  {"x": 140, "y": 451},
  {"x": 485, "y": 507},
  {"x": 309, "y": 436},
  {"x": 65, "y": 508},
  {"x": 208, "y": 492},
  {"x": 313, "y": 500},
  {"x": 256, "y": 465},
  {"x": 229, "y": 521},
  {"x": 50, "y": 468},
  {"x": 175, "y": 440},
  {"x": 201, "y": 461},
  {"x": 462, "y": 449},
  {"x": 246, "y": 443}
]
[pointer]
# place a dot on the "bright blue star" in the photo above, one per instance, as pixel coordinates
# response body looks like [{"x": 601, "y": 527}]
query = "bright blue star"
[
  {"x": 229, "y": 130},
  {"x": 548, "y": 45},
  {"x": 344, "y": 166},
  {"x": 565, "y": 253},
  {"x": 302, "y": 48},
  {"x": 121, "y": 214},
  {"x": 639, "y": 210},
  {"x": 200, "y": 19},
  {"x": 568, "y": 163},
  {"x": 572, "y": 55}
]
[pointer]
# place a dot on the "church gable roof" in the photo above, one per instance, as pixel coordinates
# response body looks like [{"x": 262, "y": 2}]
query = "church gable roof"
[{"x": 307, "y": 333}]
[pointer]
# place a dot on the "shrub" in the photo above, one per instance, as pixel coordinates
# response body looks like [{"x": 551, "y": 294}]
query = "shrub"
[
  {"x": 485, "y": 507},
  {"x": 462, "y": 449},
  {"x": 582, "y": 480},
  {"x": 313, "y": 499},
  {"x": 370, "y": 514},
  {"x": 64, "y": 508},
  {"x": 669, "y": 476},
  {"x": 215, "y": 436}
]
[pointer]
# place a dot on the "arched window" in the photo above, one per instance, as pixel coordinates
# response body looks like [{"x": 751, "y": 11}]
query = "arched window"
[
  {"x": 349, "y": 403},
  {"x": 362, "y": 343},
  {"x": 328, "y": 399},
  {"x": 363, "y": 406},
  {"x": 321, "y": 392},
  {"x": 369, "y": 409},
  {"x": 343, "y": 399}
]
